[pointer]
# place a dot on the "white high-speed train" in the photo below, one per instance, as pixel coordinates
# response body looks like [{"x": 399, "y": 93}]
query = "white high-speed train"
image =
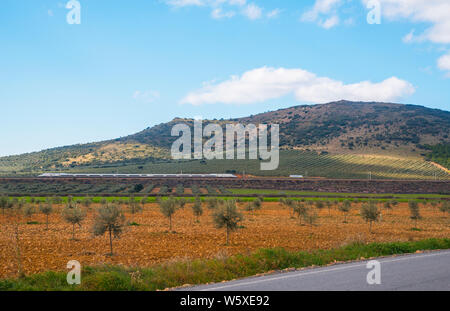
[{"x": 65, "y": 175}]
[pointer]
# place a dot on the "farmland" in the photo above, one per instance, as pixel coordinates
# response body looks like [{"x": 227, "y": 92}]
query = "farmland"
[
  {"x": 213, "y": 186},
  {"x": 307, "y": 163},
  {"x": 149, "y": 242},
  {"x": 300, "y": 162}
]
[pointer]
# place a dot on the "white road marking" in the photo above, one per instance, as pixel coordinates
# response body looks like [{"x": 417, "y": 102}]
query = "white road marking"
[{"x": 302, "y": 273}]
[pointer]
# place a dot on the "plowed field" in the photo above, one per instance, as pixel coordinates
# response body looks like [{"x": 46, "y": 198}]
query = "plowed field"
[{"x": 151, "y": 243}]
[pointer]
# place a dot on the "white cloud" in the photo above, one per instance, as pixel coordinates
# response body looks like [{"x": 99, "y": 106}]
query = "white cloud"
[
  {"x": 146, "y": 96},
  {"x": 409, "y": 37},
  {"x": 183, "y": 3},
  {"x": 225, "y": 8},
  {"x": 252, "y": 11},
  {"x": 274, "y": 13},
  {"x": 330, "y": 22},
  {"x": 444, "y": 64},
  {"x": 219, "y": 14},
  {"x": 267, "y": 83},
  {"x": 434, "y": 12},
  {"x": 324, "y": 13}
]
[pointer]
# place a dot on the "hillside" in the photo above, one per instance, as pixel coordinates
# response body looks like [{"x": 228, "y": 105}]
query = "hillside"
[{"x": 366, "y": 136}]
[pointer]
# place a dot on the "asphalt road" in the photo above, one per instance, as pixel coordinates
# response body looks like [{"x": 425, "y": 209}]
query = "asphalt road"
[{"x": 417, "y": 272}]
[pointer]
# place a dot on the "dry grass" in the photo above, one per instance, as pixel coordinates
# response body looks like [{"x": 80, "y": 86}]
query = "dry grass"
[{"x": 150, "y": 243}]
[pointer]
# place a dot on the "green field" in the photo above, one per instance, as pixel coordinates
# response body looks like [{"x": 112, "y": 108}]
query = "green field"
[{"x": 332, "y": 194}]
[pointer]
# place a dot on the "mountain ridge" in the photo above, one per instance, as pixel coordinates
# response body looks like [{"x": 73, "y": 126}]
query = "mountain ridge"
[{"x": 341, "y": 127}]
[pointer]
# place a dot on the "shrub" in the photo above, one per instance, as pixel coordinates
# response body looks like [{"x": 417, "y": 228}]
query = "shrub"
[
  {"x": 138, "y": 188},
  {"x": 180, "y": 189}
]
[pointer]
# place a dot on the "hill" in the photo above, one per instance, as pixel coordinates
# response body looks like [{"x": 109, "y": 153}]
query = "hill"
[{"x": 353, "y": 138}]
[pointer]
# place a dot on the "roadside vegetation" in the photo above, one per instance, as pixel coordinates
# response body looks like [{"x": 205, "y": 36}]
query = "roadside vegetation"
[{"x": 179, "y": 273}]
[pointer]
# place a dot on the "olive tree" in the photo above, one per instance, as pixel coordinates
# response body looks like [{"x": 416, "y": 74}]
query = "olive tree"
[
  {"x": 133, "y": 206},
  {"x": 254, "y": 205},
  {"x": 228, "y": 217},
  {"x": 310, "y": 216},
  {"x": 197, "y": 208},
  {"x": 168, "y": 208},
  {"x": 370, "y": 213},
  {"x": 414, "y": 212},
  {"x": 212, "y": 203},
  {"x": 319, "y": 205},
  {"x": 73, "y": 215},
  {"x": 345, "y": 208},
  {"x": 3, "y": 203},
  {"x": 28, "y": 211},
  {"x": 182, "y": 203},
  {"x": 299, "y": 209},
  {"x": 257, "y": 203},
  {"x": 46, "y": 209},
  {"x": 328, "y": 203},
  {"x": 444, "y": 207},
  {"x": 87, "y": 201},
  {"x": 144, "y": 200},
  {"x": 16, "y": 208},
  {"x": 387, "y": 205},
  {"x": 289, "y": 203},
  {"x": 109, "y": 219}
]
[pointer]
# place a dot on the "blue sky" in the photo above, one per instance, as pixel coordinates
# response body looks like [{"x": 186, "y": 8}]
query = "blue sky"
[{"x": 133, "y": 64}]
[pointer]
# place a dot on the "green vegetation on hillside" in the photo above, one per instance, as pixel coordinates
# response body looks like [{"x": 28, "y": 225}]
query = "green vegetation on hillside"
[{"x": 439, "y": 154}]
